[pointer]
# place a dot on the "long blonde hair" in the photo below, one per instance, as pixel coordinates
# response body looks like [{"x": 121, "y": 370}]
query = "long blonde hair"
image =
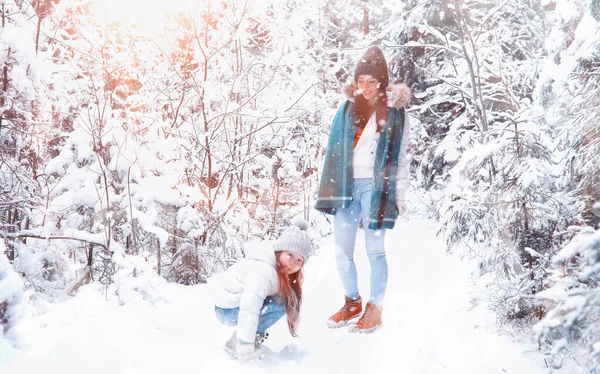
[{"x": 290, "y": 291}]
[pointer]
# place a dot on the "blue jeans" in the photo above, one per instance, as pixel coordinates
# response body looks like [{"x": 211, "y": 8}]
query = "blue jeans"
[
  {"x": 344, "y": 232},
  {"x": 271, "y": 312}
]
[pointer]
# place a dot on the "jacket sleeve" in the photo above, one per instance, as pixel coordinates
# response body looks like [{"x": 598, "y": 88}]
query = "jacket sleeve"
[
  {"x": 403, "y": 164},
  {"x": 256, "y": 289}
]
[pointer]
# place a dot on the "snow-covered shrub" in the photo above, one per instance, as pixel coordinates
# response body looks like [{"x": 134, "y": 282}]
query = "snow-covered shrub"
[
  {"x": 12, "y": 298},
  {"x": 571, "y": 327}
]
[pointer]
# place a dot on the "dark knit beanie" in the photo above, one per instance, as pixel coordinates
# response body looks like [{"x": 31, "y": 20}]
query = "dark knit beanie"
[{"x": 373, "y": 63}]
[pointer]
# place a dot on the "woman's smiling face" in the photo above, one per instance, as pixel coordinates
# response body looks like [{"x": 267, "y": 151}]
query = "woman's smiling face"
[
  {"x": 369, "y": 87},
  {"x": 290, "y": 262}
]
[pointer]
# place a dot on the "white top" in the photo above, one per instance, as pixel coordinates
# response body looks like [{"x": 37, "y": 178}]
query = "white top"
[{"x": 365, "y": 151}]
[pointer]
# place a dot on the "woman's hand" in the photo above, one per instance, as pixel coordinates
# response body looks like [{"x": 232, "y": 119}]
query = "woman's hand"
[{"x": 401, "y": 205}]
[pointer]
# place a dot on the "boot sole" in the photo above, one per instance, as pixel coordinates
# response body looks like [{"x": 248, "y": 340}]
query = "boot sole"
[
  {"x": 354, "y": 328},
  {"x": 230, "y": 351},
  {"x": 259, "y": 353},
  {"x": 335, "y": 325}
]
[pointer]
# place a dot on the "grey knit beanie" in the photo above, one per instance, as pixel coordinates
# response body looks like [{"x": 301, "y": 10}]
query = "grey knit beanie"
[{"x": 295, "y": 239}]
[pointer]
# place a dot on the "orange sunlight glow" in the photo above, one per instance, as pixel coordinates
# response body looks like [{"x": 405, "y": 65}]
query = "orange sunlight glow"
[{"x": 149, "y": 15}]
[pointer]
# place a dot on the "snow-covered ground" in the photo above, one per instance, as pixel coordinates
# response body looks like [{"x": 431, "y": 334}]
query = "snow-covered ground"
[{"x": 428, "y": 326}]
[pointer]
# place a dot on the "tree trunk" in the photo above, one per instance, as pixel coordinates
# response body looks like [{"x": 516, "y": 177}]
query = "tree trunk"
[
  {"x": 37, "y": 34},
  {"x": 365, "y": 22},
  {"x": 472, "y": 63},
  {"x": 10, "y": 251},
  {"x": 158, "y": 259}
]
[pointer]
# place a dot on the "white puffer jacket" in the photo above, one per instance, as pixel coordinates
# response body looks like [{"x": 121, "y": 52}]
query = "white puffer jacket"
[{"x": 246, "y": 284}]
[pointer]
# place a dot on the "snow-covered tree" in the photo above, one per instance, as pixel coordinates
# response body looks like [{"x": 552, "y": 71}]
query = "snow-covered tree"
[
  {"x": 160, "y": 146},
  {"x": 23, "y": 130},
  {"x": 571, "y": 102},
  {"x": 487, "y": 145},
  {"x": 571, "y": 328}
]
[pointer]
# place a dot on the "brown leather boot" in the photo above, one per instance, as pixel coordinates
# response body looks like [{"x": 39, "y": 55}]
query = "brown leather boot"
[
  {"x": 370, "y": 320},
  {"x": 350, "y": 310}
]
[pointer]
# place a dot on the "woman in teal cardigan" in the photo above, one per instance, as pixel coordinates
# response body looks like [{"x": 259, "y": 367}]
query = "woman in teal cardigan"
[{"x": 365, "y": 176}]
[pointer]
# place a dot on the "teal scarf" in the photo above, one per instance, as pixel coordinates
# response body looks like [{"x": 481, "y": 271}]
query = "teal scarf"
[{"x": 337, "y": 180}]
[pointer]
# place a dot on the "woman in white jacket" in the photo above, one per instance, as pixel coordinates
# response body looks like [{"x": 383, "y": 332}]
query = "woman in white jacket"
[
  {"x": 260, "y": 289},
  {"x": 364, "y": 177}
]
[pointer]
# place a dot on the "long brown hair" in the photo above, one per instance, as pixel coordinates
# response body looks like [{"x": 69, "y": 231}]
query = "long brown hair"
[
  {"x": 362, "y": 112},
  {"x": 290, "y": 291}
]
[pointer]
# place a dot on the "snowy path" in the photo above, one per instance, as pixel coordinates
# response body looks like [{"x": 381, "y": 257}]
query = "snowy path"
[{"x": 428, "y": 328}]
